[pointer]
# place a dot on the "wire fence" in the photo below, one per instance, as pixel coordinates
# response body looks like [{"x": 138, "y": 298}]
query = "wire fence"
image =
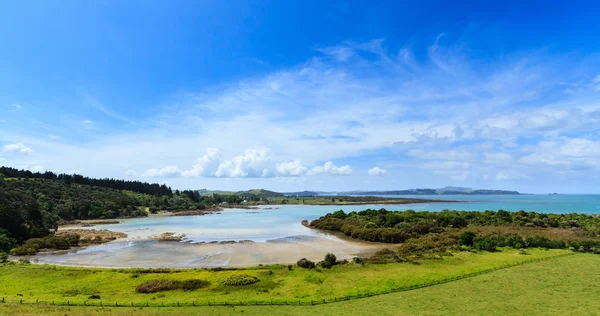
[{"x": 273, "y": 302}]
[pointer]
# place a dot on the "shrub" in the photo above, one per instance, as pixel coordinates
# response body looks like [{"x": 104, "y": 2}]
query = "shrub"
[
  {"x": 94, "y": 297},
  {"x": 190, "y": 285},
  {"x": 358, "y": 260},
  {"x": 305, "y": 263},
  {"x": 485, "y": 243},
  {"x": 325, "y": 264},
  {"x": 240, "y": 280},
  {"x": 162, "y": 285},
  {"x": 331, "y": 259},
  {"x": 431, "y": 244},
  {"x": 154, "y": 286},
  {"x": 3, "y": 257},
  {"x": 33, "y": 245},
  {"x": 6, "y": 243},
  {"x": 466, "y": 239}
]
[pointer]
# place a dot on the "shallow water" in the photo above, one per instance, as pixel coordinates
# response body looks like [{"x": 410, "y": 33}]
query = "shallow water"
[{"x": 276, "y": 232}]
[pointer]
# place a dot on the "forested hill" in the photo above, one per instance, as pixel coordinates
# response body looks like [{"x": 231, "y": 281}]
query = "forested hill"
[
  {"x": 33, "y": 206},
  {"x": 135, "y": 186}
]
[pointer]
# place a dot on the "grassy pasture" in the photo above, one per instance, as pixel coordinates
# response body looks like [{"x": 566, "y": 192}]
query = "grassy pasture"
[
  {"x": 561, "y": 286},
  {"x": 46, "y": 283}
]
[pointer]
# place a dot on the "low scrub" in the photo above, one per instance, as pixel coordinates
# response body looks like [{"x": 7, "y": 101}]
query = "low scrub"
[
  {"x": 162, "y": 285},
  {"x": 33, "y": 245},
  {"x": 306, "y": 264},
  {"x": 240, "y": 280}
]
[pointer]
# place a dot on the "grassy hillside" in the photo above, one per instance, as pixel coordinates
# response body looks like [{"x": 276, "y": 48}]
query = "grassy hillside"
[{"x": 560, "y": 286}]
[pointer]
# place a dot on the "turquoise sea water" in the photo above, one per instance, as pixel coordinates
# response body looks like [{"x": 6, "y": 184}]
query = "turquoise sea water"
[{"x": 580, "y": 203}]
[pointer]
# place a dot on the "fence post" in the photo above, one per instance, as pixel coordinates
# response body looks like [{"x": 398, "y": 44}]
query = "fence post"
[
  {"x": 116, "y": 303},
  {"x": 3, "y": 300}
]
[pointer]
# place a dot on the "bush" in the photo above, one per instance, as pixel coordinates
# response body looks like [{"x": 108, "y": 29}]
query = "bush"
[
  {"x": 154, "y": 286},
  {"x": 485, "y": 243},
  {"x": 466, "y": 239},
  {"x": 94, "y": 297},
  {"x": 33, "y": 245},
  {"x": 305, "y": 263},
  {"x": 190, "y": 285},
  {"x": 3, "y": 257},
  {"x": 162, "y": 285},
  {"x": 431, "y": 244},
  {"x": 331, "y": 259},
  {"x": 358, "y": 260},
  {"x": 240, "y": 280},
  {"x": 325, "y": 264},
  {"x": 6, "y": 243}
]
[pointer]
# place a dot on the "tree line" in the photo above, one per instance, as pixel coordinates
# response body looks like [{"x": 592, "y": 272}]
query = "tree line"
[{"x": 135, "y": 186}]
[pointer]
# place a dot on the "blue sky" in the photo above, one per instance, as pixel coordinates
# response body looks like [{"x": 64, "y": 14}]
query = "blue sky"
[{"x": 293, "y": 95}]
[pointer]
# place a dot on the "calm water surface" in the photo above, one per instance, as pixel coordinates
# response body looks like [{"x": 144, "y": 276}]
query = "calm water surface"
[
  {"x": 278, "y": 226},
  {"x": 275, "y": 222}
]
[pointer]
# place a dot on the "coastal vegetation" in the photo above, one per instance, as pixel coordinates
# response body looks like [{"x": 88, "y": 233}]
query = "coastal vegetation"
[{"x": 442, "y": 229}]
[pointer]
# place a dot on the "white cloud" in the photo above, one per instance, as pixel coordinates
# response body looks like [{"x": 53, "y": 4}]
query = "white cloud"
[
  {"x": 252, "y": 164},
  {"x": 332, "y": 169},
  {"x": 87, "y": 122},
  {"x": 165, "y": 172},
  {"x": 17, "y": 148},
  {"x": 377, "y": 172},
  {"x": 291, "y": 168},
  {"x": 16, "y": 106},
  {"x": 471, "y": 118},
  {"x": 74, "y": 171},
  {"x": 205, "y": 166}
]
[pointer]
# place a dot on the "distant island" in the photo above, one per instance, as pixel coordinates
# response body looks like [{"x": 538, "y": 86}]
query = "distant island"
[
  {"x": 443, "y": 191},
  {"x": 262, "y": 193}
]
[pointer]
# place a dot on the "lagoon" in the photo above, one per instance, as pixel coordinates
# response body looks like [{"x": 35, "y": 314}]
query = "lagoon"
[{"x": 274, "y": 234}]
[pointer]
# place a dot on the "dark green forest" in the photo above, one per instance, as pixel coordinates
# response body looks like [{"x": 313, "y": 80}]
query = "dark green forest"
[{"x": 32, "y": 205}]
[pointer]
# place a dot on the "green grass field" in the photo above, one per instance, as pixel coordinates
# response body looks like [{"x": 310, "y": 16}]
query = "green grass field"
[
  {"x": 567, "y": 285},
  {"x": 278, "y": 284}
]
